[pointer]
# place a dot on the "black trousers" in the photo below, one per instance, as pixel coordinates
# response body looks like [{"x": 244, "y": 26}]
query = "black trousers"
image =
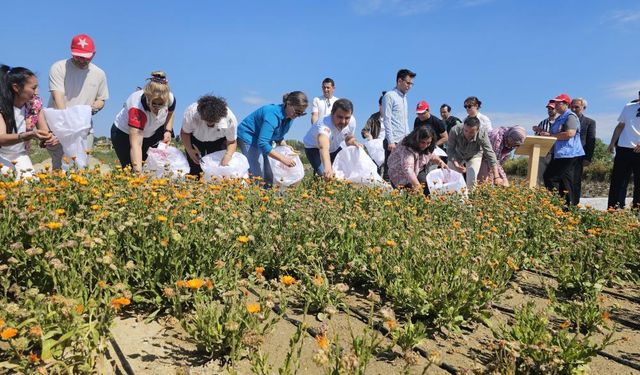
[
  {"x": 122, "y": 146},
  {"x": 625, "y": 163},
  {"x": 577, "y": 180},
  {"x": 560, "y": 175},
  {"x": 205, "y": 148},
  {"x": 385, "y": 171}
]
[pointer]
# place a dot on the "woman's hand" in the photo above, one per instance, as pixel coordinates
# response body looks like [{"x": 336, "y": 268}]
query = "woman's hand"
[
  {"x": 42, "y": 135},
  {"x": 328, "y": 173},
  {"x": 500, "y": 181},
  {"x": 226, "y": 159},
  {"x": 51, "y": 141},
  {"x": 288, "y": 162},
  {"x": 167, "y": 137},
  {"x": 194, "y": 154}
]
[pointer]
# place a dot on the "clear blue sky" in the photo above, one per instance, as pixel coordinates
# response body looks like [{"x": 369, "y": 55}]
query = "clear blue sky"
[{"x": 513, "y": 55}]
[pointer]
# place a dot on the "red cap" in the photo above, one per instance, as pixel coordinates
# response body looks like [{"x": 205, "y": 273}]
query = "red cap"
[
  {"x": 552, "y": 103},
  {"x": 422, "y": 107},
  {"x": 563, "y": 98},
  {"x": 82, "y": 46}
]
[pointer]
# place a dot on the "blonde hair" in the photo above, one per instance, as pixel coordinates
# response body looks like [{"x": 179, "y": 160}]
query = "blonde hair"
[{"x": 157, "y": 88}]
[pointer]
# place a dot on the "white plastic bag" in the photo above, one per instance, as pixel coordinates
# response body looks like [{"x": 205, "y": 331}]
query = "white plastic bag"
[
  {"x": 283, "y": 175},
  {"x": 375, "y": 150},
  {"x": 238, "y": 166},
  {"x": 353, "y": 164},
  {"x": 71, "y": 126},
  {"x": 446, "y": 181},
  {"x": 165, "y": 159}
]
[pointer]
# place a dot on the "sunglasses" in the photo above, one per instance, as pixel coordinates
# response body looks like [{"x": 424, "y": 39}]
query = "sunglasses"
[
  {"x": 299, "y": 113},
  {"x": 467, "y": 106}
]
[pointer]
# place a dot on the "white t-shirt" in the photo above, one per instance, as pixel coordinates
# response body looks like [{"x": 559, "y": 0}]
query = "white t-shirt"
[
  {"x": 322, "y": 106},
  {"x": 80, "y": 86},
  {"x": 135, "y": 113},
  {"x": 485, "y": 122},
  {"x": 13, "y": 151},
  {"x": 193, "y": 124},
  {"x": 325, "y": 126},
  {"x": 630, "y": 136}
]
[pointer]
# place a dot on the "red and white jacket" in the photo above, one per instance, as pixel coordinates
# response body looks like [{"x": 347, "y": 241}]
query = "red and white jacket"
[{"x": 136, "y": 114}]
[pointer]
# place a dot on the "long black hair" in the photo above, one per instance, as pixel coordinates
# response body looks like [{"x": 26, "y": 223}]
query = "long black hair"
[
  {"x": 412, "y": 140},
  {"x": 8, "y": 77}
]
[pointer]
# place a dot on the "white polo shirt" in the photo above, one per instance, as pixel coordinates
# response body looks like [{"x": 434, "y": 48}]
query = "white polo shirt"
[
  {"x": 136, "y": 114},
  {"x": 322, "y": 106},
  {"x": 630, "y": 136},
  {"x": 193, "y": 124},
  {"x": 325, "y": 126}
]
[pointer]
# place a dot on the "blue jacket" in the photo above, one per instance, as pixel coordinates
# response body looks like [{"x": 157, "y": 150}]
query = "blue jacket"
[
  {"x": 265, "y": 125},
  {"x": 571, "y": 147}
]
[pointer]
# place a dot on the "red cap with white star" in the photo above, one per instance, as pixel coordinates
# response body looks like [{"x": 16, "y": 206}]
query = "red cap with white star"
[{"x": 82, "y": 46}]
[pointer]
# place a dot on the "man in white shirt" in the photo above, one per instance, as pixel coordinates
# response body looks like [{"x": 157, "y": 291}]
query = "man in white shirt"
[
  {"x": 321, "y": 107},
  {"x": 626, "y": 142},
  {"x": 77, "y": 81},
  {"x": 395, "y": 112}
]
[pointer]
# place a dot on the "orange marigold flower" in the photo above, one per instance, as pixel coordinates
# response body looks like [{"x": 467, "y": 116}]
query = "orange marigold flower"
[
  {"x": 259, "y": 271},
  {"x": 323, "y": 342},
  {"x": 117, "y": 303},
  {"x": 33, "y": 358},
  {"x": 181, "y": 283},
  {"x": 209, "y": 284},
  {"x": 253, "y": 308},
  {"x": 79, "y": 308},
  {"x": 35, "y": 331},
  {"x": 512, "y": 264},
  {"x": 605, "y": 316},
  {"x": 565, "y": 324},
  {"x": 243, "y": 239},
  {"x": 8, "y": 333},
  {"x": 391, "y": 243},
  {"x": 162, "y": 218},
  {"x": 53, "y": 225},
  {"x": 391, "y": 324},
  {"x": 195, "y": 283},
  {"x": 1, "y": 323},
  {"x": 287, "y": 280}
]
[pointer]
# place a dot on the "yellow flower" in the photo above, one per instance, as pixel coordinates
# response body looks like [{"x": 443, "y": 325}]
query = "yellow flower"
[
  {"x": 323, "y": 342},
  {"x": 79, "y": 308},
  {"x": 1, "y": 323},
  {"x": 195, "y": 283},
  {"x": 287, "y": 280},
  {"x": 253, "y": 308},
  {"x": 512, "y": 264},
  {"x": 117, "y": 303},
  {"x": 243, "y": 239},
  {"x": 60, "y": 211},
  {"x": 53, "y": 225},
  {"x": 8, "y": 333},
  {"x": 391, "y": 243},
  {"x": 318, "y": 280},
  {"x": 162, "y": 218}
]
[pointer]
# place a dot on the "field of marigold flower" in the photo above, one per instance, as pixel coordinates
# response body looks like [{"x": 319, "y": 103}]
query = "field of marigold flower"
[{"x": 321, "y": 278}]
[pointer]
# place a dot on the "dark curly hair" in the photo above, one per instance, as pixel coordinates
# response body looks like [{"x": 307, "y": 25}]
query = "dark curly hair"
[
  {"x": 212, "y": 108},
  {"x": 412, "y": 140}
]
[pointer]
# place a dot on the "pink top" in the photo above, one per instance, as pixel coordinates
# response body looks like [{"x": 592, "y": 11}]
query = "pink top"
[{"x": 404, "y": 164}]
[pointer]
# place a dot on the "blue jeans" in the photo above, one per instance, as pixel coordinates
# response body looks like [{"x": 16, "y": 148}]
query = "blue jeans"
[
  {"x": 313, "y": 154},
  {"x": 258, "y": 162}
]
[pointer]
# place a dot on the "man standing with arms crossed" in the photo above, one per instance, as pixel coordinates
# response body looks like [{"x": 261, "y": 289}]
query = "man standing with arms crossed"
[
  {"x": 76, "y": 81},
  {"x": 395, "y": 113},
  {"x": 588, "y": 139}
]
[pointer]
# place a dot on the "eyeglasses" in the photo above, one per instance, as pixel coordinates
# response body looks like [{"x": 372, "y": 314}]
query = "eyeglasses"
[{"x": 299, "y": 113}]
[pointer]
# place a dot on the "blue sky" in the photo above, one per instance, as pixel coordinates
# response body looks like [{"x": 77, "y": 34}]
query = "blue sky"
[{"x": 513, "y": 55}]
